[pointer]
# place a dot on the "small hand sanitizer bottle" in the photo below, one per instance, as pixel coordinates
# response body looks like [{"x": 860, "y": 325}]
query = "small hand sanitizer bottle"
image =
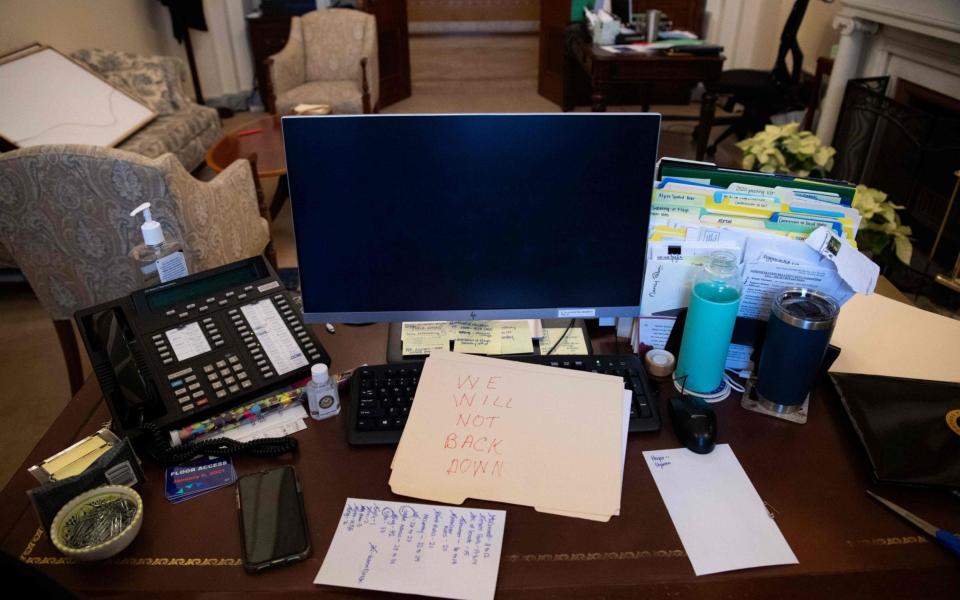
[
  {"x": 156, "y": 259},
  {"x": 323, "y": 400}
]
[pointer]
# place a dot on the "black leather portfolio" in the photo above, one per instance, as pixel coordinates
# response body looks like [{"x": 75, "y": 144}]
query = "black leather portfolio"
[{"x": 909, "y": 427}]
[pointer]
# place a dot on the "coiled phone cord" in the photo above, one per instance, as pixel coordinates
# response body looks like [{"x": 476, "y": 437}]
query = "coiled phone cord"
[{"x": 160, "y": 449}]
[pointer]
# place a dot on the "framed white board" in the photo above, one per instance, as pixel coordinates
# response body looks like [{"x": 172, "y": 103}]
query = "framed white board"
[{"x": 49, "y": 99}]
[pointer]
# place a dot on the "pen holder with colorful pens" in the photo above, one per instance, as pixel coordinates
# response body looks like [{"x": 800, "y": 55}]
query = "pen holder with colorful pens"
[
  {"x": 236, "y": 417},
  {"x": 712, "y": 313}
]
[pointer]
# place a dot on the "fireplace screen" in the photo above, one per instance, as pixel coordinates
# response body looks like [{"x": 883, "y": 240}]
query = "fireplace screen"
[{"x": 909, "y": 152}]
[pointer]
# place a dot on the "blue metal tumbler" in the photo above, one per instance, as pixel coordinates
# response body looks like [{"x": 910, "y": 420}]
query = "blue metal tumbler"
[{"x": 798, "y": 333}]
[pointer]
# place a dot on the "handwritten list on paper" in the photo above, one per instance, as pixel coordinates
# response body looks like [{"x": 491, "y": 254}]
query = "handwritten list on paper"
[
  {"x": 571, "y": 343},
  {"x": 440, "y": 551},
  {"x": 476, "y": 337}
]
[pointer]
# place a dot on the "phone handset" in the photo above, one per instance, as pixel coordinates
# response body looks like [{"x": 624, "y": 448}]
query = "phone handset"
[{"x": 123, "y": 371}]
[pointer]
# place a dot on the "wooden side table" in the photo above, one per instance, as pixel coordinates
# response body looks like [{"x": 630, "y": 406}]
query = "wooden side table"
[{"x": 644, "y": 72}]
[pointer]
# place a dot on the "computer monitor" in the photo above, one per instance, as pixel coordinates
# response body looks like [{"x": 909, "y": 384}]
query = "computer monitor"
[{"x": 479, "y": 216}]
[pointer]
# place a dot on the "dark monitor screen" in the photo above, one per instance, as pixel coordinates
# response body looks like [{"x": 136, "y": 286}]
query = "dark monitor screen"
[{"x": 452, "y": 217}]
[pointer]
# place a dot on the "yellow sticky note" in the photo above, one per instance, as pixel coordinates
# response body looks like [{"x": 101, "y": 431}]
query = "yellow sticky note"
[
  {"x": 475, "y": 337},
  {"x": 572, "y": 343},
  {"x": 514, "y": 337},
  {"x": 424, "y": 337},
  {"x": 420, "y": 346},
  {"x": 409, "y": 330}
]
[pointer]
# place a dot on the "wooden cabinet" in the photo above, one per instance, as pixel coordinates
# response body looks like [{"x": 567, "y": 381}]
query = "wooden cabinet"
[
  {"x": 268, "y": 35},
  {"x": 393, "y": 48}
]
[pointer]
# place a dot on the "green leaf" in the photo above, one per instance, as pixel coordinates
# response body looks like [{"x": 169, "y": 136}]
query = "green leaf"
[{"x": 903, "y": 249}]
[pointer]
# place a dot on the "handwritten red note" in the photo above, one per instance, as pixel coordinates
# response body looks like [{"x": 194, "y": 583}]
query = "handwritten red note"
[{"x": 505, "y": 431}]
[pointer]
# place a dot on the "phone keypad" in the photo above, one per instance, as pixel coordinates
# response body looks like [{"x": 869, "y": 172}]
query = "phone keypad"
[
  {"x": 221, "y": 374},
  {"x": 163, "y": 350}
]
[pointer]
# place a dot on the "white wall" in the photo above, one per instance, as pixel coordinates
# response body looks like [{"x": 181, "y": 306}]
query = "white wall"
[
  {"x": 224, "y": 59},
  {"x": 749, "y": 31},
  {"x": 142, "y": 27},
  {"x": 137, "y": 26}
]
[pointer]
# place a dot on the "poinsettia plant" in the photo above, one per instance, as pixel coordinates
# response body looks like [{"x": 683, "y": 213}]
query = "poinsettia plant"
[
  {"x": 881, "y": 230},
  {"x": 787, "y": 149}
]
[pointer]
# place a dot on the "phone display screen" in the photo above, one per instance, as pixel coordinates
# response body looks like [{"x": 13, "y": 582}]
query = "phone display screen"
[{"x": 271, "y": 515}]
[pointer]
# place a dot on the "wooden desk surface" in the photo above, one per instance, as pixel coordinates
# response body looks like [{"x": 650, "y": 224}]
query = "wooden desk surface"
[{"x": 813, "y": 477}]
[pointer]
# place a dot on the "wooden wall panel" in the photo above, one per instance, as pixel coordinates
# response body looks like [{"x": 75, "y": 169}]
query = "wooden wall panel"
[{"x": 473, "y": 10}]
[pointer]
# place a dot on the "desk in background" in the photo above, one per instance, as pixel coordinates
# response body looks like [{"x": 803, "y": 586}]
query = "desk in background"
[
  {"x": 812, "y": 476},
  {"x": 642, "y": 73}
]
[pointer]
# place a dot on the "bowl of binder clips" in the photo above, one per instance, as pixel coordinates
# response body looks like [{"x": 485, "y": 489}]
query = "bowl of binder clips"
[{"x": 98, "y": 523}]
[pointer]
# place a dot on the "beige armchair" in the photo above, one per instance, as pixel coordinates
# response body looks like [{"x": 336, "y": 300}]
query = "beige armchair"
[
  {"x": 65, "y": 218},
  {"x": 330, "y": 58}
]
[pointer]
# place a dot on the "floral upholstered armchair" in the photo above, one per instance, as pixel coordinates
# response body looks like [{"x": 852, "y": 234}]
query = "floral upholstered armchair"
[
  {"x": 330, "y": 58},
  {"x": 65, "y": 218},
  {"x": 182, "y": 126}
]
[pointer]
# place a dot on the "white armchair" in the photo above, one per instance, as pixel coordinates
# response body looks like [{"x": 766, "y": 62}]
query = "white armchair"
[{"x": 330, "y": 58}]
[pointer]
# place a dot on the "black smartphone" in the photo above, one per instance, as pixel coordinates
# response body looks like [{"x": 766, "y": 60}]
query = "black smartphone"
[{"x": 273, "y": 523}]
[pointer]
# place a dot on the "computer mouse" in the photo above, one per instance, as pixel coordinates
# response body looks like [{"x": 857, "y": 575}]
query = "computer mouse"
[{"x": 694, "y": 422}]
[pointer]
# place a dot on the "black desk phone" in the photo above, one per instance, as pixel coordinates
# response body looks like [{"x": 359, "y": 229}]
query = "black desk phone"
[{"x": 178, "y": 352}]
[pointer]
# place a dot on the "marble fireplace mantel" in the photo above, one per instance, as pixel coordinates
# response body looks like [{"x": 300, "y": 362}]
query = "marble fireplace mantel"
[{"x": 918, "y": 40}]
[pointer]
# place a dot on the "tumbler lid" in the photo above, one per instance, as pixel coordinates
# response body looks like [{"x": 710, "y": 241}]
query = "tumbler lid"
[{"x": 806, "y": 309}]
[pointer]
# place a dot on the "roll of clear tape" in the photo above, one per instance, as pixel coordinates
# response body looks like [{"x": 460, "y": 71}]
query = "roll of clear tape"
[{"x": 659, "y": 363}]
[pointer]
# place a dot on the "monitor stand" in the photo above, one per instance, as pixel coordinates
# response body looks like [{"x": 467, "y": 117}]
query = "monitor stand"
[{"x": 395, "y": 346}]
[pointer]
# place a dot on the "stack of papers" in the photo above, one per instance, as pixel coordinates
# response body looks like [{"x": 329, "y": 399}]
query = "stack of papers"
[
  {"x": 477, "y": 337},
  {"x": 763, "y": 219},
  {"x": 490, "y": 429}
]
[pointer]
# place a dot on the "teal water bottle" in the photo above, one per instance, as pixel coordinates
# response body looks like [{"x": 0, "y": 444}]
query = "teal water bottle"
[{"x": 714, "y": 301}]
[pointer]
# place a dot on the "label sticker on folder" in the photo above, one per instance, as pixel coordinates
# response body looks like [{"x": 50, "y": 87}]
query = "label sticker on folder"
[{"x": 272, "y": 333}]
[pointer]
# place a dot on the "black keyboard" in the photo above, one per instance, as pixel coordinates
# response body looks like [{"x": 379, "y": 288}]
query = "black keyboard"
[{"x": 381, "y": 395}]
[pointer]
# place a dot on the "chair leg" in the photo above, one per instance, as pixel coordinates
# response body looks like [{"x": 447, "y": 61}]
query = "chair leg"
[
  {"x": 71, "y": 353},
  {"x": 365, "y": 86},
  {"x": 269, "y": 251},
  {"x": 712, "y": 149}
]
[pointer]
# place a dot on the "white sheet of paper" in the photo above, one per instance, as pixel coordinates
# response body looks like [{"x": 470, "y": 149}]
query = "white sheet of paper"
[
  {"x": 763, "y": 280},
  {"x": 433, "y": 550},
  {"x": 857, "y": 270},
  {"x": 719, "y": 516},
  {"x": 272, "y": 333},
  {"x": 276, "y": 424},
  {"x": 188, "y": 341}
]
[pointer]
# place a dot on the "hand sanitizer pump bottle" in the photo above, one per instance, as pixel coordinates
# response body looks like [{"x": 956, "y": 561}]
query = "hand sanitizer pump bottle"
[
  {"x": 714, "y": 301},
  {"x": 156, "y": 259},
  {"x": 323, "y": 400}
]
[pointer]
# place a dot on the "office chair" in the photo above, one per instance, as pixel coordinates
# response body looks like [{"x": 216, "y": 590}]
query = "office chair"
[{"x": 763, "y": 93}]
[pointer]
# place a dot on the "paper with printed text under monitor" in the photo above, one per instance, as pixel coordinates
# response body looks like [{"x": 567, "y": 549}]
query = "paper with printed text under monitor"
[
  {"x": 441, "y": 551},
  {"x": 721, "y": 520},
  {"x": 507, "y": 431}
]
